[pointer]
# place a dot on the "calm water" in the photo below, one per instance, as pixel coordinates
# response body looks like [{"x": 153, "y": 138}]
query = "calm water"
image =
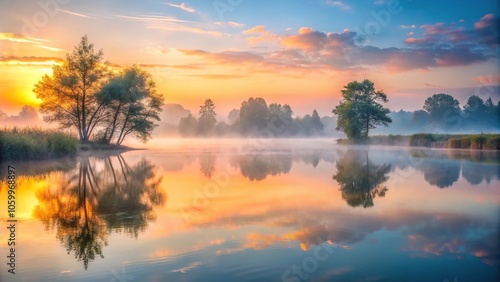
[{"x": 258, "y": 211}]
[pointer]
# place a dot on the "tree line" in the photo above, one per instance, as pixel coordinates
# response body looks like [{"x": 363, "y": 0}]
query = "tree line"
[
  {"x": 360, "y": 111},
  {"x": 254, "y": 117}
]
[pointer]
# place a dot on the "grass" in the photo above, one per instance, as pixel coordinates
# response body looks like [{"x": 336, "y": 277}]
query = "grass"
[
  {"x": 455, "y": 141},
  {"x": 35, "y": 144},
  {"x": 459, "y": 141}
]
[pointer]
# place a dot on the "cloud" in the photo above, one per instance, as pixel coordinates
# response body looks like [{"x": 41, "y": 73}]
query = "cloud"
[
  {"x": 408, "y": 26},
  {"x": 16, "y": 37},
  {"x": 230, "y": 24},
  {"x": 54, "y": 49},
  {"x": 180, "y": 28},
  {"x": 183, "y": 67},
  {"x": 441, "y": 45},
  {"x": 488, "y": 79},
  {"x": 486, "y": 21},
  {"x": 263, "y": 35},
  {"x": 339, "y": 4},
  {"x": 73, "y": 13},
  {"x": 182, "y": 6},
  {"x": 218, "y": 76},
  {"x": 30, "y": 60},
  {"x": 152, "y": 18}
]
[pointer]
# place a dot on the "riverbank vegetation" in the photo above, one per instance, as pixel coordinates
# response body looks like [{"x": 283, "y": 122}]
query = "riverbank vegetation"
[
  {"x": 33, "y": 144},
  {"x": 452, "y": 141}
]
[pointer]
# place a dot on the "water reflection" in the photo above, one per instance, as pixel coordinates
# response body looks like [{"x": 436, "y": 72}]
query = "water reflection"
[
  {"x": 441, "y": 168},
  {"x": 258, "y": 166},
  {"x": 102, "y": 195},
  {"x": 268, "y": 212},
  {"x": 360, "y": 179}
]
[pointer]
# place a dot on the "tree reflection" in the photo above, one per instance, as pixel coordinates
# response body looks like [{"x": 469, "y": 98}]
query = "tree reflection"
[
  {"x": 258, "y": 167},
  {"x": 207, "y": 165},
  {"x": 440, "y": 173},
  {"x": 475, "y": 173},
  {"x": 100, "y": 196},
  {"x": 361, "y": 180}
]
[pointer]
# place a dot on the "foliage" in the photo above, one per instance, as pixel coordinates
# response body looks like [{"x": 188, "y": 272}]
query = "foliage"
[
  {"x": 207, "y": 120},
  {"x": 32, "y": 143},
  {"x": 131, "y": 104},
  {"x": 83, "y": 93},
  {"x": 442, "y": 108},
  {"x": 254, "y": 115},
  {"x": 188, "y": 126},
  {"x": 69, "y": 95},
  {"x": 360, "y": 110},
  {"x": 360, "y": 180}
]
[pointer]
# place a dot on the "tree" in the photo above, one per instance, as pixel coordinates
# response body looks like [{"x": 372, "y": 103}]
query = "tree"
[
  {"x": 440, "y": 108},
  {"x": 317, "y": 125},
  {"x": 207, "y": 120},
  {"x": 359, "y": 110},
  {"x": 131, "y": 104},
  {"x": 280, "y": 119},
  {"x": 69, "y": 95},
  {"x": 253, "y": 115},
  {"x": 233, "y": 116},
  {"x": 360, "y": 180},
  {"x": 188, "y": 125},
  {"x": 419, "y": 119}
]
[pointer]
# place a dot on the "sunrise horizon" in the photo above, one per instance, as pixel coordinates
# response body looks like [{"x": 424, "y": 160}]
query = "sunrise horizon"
[{"x": 197, "y": 51}]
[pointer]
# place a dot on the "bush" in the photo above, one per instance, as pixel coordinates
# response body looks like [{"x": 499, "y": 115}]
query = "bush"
[{"x": 32, "y": 143}]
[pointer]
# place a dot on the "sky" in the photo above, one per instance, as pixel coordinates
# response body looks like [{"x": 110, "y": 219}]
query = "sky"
[{"x": 299, "y": 52}]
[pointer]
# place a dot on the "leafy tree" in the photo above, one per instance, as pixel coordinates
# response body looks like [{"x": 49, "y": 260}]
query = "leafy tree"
[
  {"x": 207, "y": 120},
  {"x": 69, "y": 95},
  {"x": 188, "y": 126},
  {"x": 222, "y": 128},
  {"x": 360, "y": 180},
  {"x": 254, "y": 115},
  {"x": 419, "y": 119},
  {"x": 233, "y": 116},
  {"x": 131, "y": 104},
  {"x": 440, "y": 108},
  {"x": 280, "y": 119},
  {"x": 316, "y": 123},
  {"x": 359, "y": 110}
]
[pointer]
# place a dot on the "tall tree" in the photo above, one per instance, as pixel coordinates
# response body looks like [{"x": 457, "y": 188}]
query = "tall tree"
[
  {"x": 254, "y": 115},
  {"x": 69, "y": 95},
  {"x": 132, "y": 105},
  {"x": 441, "y": 107},
  {"x": 360, "y": 110},
  {"x": 280, "y": 119},
  {"x": 207, "y": 120},
  {"x": 188, "y": 125},
  {"x": 317, "y": 125}
]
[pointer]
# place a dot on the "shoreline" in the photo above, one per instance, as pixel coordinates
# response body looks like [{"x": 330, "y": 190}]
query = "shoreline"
[{"x": 471, "y": 142}]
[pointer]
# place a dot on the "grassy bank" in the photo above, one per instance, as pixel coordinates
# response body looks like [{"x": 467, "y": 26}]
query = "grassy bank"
[
  {"x": 461, "y": 141},
  {"x": 35, "y": 144},
  {"x": 455, "y": 141}
]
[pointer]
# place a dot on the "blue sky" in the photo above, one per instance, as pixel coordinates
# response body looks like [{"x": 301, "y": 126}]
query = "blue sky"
[{"x": 297, "y": 51}]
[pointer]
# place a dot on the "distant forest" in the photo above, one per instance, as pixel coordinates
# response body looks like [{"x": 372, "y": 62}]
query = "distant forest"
[{"x": 440, "y": 113}]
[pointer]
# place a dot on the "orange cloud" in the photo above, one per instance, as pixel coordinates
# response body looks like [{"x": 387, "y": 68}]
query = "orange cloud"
[{"x": 30, "y": 60}]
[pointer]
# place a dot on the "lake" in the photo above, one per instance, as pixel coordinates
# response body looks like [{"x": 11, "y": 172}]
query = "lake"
[{"x": 257, "y": 210}]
